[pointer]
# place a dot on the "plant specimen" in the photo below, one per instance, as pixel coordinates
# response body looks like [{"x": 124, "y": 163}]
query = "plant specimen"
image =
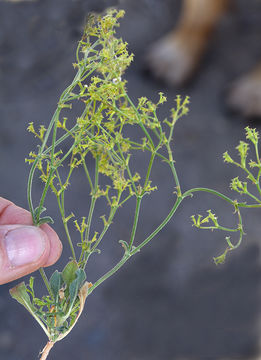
[{"x": 99, "y": 142}]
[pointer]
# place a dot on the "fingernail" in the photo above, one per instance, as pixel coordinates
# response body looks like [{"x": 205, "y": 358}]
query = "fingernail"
[{"x": 24, "y": 245}]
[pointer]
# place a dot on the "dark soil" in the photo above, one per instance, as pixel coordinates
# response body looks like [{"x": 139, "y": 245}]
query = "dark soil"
[{"x": 170, "y": 301}]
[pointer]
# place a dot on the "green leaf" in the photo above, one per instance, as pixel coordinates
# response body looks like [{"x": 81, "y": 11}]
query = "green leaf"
[
  {"x": 81, "y": 277},
  {"x": 39, "y": 302},
  {"x": 19, "y": 293},
  {"x": 56, "y": 283},
  {"x": 36, "y": 210},
  {"x": 31, "y": 285},
  {"x": 76, "y": 284},
  {"x": 69, "y": 272},
  {"x": 45, "y": 220},
  {"x": 73, "y": 291}
]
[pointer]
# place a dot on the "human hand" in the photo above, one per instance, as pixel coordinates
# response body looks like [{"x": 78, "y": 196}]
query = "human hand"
[{"x": 24, "y": 248}]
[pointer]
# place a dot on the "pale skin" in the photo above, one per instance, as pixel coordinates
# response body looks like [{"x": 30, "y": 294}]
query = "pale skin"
[{"x": 24, "y": 248}]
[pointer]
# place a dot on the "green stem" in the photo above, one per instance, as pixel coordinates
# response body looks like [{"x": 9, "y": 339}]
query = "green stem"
[
  {"x": 126, "y": 199},
  {"x": 257, "y": 153},
  {"x": 106, "y": 227},
  {"x": 47, "y": 184},
  {"x": 109, "y": 273},
  {"x": 258, "y": 181},
  {"x": 175, "y": 175},
  {"x": 44, "y": 193},
  {"x": 135, "y": 222},
  {"x": 141, "y": 147},
  {"x": 93, "y": 200},
  {"x": 139, "y": 120},
  {"x": 29, "y": 191},
  {"x": 244, "y": 205},
  {"x": 159, "y": 228},
  {"x": 44, "y": 277},
  {"x": 149, "y": 169},
  {"x": 253, "y": 197},
  {"x": 87, "y": 174},
  {"x": 128, "y": 170},
  {"x": 240, "y": 229},
  {"x": 127, "y": 255},
  {"x": 214, "y": 192},
  {"x": 173, "y": 169},
  {"x": 218, "y": 228},
  {"x": 62, "y": 211}
]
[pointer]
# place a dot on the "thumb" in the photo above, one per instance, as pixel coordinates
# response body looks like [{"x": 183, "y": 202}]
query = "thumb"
[{"x": 23, "y": 249}]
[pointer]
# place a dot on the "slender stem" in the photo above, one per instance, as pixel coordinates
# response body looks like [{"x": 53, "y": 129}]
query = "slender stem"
[
  {"x": 47, "y": 184},
  {"x": 44, "y": 193},
  {"x": 171, "y": 130},
  {"x": 60, "y": 201},
  {"x": 44, "y": 354},
  {"x": 230, "y": 201},
  {"x": 253, "y": 197},
  {"x": 92, "y": 206},
  {"x": 112, "y": 139},
  {"x": 173, "y": 168},
  {"x": 128, "y": 170},
  {"x": 135, "y": 222},
  {"x": 149, "y": 169},
  {"x": 54, "y": 138},
  {"x": 140, "y": 146},
  {"x": 93, "y": 200},
  {"x": 53, "y": 122},
  {"x": 108, "y": 223},
  {"x": 87, "y": 174},
  {"x": 139, "y": 120},
  {"x": 175, "y": 175},
  {"x": 218, "y": 228},
  {"x": 47, "y": 134},
  {"x": 106, "y": 227},
  {"x": 244, "y": 205},
  {"x": 240, "y": 229},
  {"x": 62, "y": 211},
  {"x": 62, "y": 138},
  {"x": 258, "y": 181},
  {"x": 29, "y": 190},
  {"x": 250, "y": 175},
  {"x": 257, "y": 154},
  {"x": 44, "y": 277},
  {"x": 126, "y": 199},
  {"x": 158, "y": 229},
  {"x": 66, "y": 155},
  {"x": 109, "y": 273},
  {"x": 55, "y": 117},
  {"x": 214, "y": 192},
  {"x": 127, "y": 255},
  {"x": 254, "y": 180}
]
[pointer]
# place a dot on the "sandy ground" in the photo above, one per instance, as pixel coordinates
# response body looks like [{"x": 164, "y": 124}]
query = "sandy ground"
[{"x": 171, "y": 301}]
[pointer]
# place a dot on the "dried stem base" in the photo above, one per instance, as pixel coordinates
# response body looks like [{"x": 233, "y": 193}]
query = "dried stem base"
[{"x": 46, "y": 350}]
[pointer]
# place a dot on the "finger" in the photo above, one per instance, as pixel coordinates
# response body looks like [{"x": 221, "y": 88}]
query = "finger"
[
  {"x": 23, "y": 249},
  {"x": 55, "y": 245},
  {"x": 12, "y": 214}
]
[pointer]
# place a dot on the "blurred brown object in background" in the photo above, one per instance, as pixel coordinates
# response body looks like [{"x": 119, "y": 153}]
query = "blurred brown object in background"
[{"x": 177, "y": 56}]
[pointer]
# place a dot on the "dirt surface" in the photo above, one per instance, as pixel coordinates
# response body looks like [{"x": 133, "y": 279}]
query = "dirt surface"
[{"x": 170, "y": 301}]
